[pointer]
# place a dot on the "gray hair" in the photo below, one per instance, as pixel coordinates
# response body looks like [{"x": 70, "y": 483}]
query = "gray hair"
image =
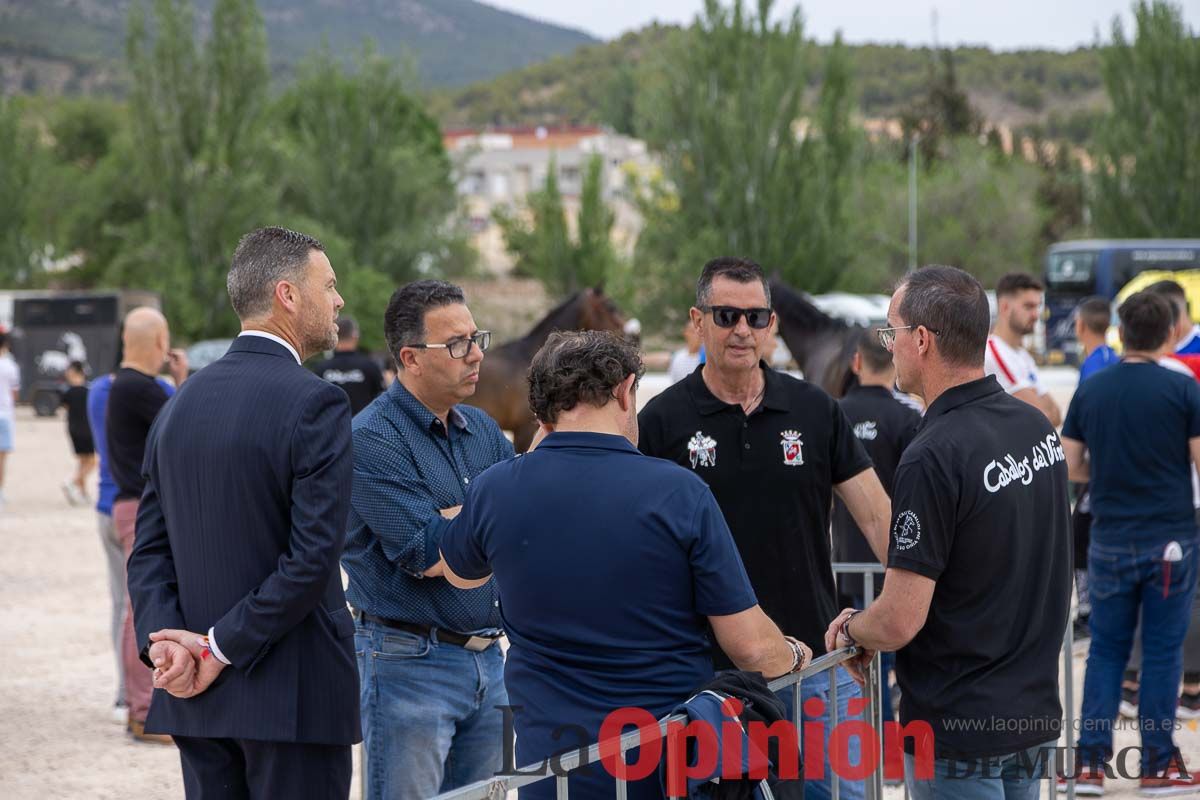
[
  {"x": 953, "y": 304},
  {"x": 262, "y": 259}
]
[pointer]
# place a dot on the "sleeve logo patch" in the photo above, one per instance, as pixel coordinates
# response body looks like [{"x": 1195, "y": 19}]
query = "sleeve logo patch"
[{"x": 906, "y": 530}]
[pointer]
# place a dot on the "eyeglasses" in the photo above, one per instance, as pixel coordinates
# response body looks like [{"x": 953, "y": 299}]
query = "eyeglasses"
[
  {"x": 458, "y": 348},
  {"x": 887, "y": 336},
  {"x": 728, "y": 316}
]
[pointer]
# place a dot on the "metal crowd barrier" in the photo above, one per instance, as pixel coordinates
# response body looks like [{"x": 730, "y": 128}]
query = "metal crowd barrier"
[{"x": 496, "y": 788}]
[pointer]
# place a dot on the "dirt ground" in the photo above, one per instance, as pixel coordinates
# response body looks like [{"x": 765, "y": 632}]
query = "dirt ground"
[{"x": 57, "y": 739}]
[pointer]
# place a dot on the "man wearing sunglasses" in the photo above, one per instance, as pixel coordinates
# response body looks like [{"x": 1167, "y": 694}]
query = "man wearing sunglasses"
[
  {"x": 431, "y": 671},
  {"x": 774, "y": 450}
]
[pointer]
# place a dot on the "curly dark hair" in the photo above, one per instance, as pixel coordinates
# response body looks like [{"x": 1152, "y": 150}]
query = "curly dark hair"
[{"x": 576, "y": 367}]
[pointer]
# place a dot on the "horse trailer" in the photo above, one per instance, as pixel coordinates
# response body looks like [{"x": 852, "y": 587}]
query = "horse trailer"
[{"x": 50, "y": 329}]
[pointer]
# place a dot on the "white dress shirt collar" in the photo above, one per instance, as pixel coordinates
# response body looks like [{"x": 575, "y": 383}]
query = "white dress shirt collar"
[{"x": 275, "y": 339}]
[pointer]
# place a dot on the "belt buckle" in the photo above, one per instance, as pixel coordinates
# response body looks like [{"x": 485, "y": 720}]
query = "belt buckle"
[{"x": 477, "y": 644}]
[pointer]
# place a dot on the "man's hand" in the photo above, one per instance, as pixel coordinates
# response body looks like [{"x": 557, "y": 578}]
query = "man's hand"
[
  {"x": 174, "y": 667},
  {"x": 834, "y": 634},
  {"x": 208, "y": 666},
  {"x": 835, "y": 640},
  {"x": 177, "y": 366},
  {"x": 438, "y": 570},
  {"x": 451, "y": 512}
]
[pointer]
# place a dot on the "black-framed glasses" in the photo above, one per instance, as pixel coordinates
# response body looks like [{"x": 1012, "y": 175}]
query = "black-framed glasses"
[
  {"x": 728, "y": 316},
  {"x": 887, "y": 336},
  {"x": 458, "y": 348}
]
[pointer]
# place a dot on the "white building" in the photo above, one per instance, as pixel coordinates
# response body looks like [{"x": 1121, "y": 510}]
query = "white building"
[{"x": 499, "y": 167}]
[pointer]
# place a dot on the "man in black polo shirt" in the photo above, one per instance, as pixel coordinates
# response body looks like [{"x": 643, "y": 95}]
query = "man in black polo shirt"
[
  {"x": 773, "y": 450},
  {"x": 357, "y": 373},
  {"x": 978, "y": 582}
]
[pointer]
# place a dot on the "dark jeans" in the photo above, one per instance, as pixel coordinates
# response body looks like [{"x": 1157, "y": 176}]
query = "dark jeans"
[{"x": 1124, "y": 580}]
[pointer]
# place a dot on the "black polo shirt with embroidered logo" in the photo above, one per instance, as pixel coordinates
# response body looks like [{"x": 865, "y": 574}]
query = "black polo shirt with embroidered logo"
[
  {"x": 773, "y": 474},
  {"x": 979, "y": 505}
]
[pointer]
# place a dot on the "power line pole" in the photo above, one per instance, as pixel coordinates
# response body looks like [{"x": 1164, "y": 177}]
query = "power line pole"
[{"x": 912, "y": 199}]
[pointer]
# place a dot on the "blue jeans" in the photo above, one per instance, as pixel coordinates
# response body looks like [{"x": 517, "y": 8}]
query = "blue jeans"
[
  {"x": 1121, "y": 580},
  {"x": 430, "y": 722},
  {"x": 818, "y": 686},
  {"x": 1017, "y": 776}
]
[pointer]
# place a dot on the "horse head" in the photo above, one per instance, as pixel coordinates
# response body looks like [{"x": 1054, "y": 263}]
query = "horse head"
[{"x": 598, "y": 312}]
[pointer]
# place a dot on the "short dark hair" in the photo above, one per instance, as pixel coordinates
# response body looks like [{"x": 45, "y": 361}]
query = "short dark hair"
[
  {"x": 741, "y": 270},
  {"x": 1015, "y": 282},
  {"x": 874, "y": 355},
  {"x": 76, "y": 366},
  {"x": 1173, "y": 292},
  {"x": 404, "y": 319},
  {"x": 575, "y": 367},
  {"x": 1096, "y": 314},
  {"x": 1146, "y": 321},
  {"x": 263, "y": 258},
  {"x": 4, "y": 339},
  {"x": 347, "y": 328},
  {"x": 953, "y": 303}
]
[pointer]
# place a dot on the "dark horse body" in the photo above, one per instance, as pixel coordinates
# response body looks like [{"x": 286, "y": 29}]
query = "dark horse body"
[
  {"x": 503, "y": 390},
  {"x": 822, "y": 345}
]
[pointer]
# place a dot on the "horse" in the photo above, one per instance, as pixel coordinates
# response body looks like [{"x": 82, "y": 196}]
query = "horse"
[
  {"x": 822, "y": 345},
  {"x": 503, "y": 389}
]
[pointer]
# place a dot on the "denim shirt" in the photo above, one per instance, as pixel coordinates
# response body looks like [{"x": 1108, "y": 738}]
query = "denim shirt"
[{"x": 407, "y": 467}]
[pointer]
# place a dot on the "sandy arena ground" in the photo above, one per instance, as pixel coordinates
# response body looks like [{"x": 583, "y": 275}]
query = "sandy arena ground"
[{"x": 57, "y": 739}]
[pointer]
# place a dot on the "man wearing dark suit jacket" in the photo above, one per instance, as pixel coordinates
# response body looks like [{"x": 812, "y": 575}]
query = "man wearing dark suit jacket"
[{"x": 239, "y": 532}]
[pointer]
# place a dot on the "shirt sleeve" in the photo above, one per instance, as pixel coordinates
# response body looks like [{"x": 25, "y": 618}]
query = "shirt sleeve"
[
  {"x": 847, "y": 456},
  {"x": 1073, "y": 424},
  {"x": 396, "y": 504},
  {"x": 462, "y": 541},
  {"x": 923, "y": 517},
  {"x": 1007, "y": 372},
  {"x": 719, "y": 581}
]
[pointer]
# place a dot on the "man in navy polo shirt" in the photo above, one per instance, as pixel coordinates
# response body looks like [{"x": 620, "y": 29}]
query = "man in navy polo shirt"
[
  {"x": 610, "y": 565},
  {"x": 1143, "y": 553}
]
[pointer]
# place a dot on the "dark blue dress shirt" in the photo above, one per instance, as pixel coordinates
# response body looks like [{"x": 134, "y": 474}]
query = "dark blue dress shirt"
[{"x": 407, "y": 467}]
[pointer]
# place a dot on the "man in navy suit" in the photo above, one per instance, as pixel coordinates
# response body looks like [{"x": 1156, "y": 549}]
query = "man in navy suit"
[{"x": 239, "y": 532}]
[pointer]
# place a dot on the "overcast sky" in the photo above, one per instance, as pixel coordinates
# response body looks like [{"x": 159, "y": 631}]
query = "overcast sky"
[{"x": 1057, "y": 24}]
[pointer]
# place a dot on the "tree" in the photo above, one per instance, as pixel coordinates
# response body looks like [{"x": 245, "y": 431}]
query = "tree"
[
  {"x": 365, "y": 159},
  {"x": 942, "y": 114},
  {"x": 199, "y": 147},
  {"x": 1147, "y": 180},
  {"x": 16, "y": 179},
  {"x": 748, "y": 168},
  {"x": 976, "y": 212},
  {"x": 543, "y": 246}
]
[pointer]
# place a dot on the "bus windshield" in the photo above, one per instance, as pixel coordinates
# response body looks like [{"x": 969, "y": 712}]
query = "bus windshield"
[{"x": 1073, "y": 272}]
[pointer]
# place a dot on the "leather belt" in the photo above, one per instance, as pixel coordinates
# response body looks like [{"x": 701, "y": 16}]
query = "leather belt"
[{"x": 476, "y": 644}]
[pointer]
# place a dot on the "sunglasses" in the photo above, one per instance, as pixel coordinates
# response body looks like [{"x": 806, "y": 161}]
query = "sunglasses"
[
  {"x": 728, "y": 316},
  {"x": 458, "y": 348}
]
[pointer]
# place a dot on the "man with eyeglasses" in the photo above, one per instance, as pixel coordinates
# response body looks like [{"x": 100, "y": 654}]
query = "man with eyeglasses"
[
  {"x": 978, "y": 582},
  {"x": 430, "y": 667},
  {"x": 774, "y": 450}
]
